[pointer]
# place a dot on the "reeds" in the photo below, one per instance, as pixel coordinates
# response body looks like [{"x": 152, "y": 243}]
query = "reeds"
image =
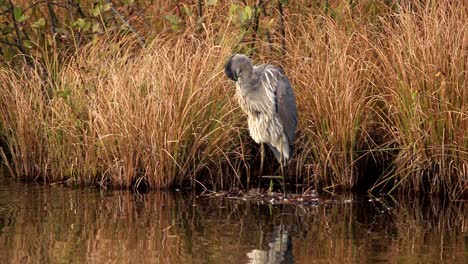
[
  {"x": 117, "y": 117},
  {"x": 426, "y": 97},
  {"x": 381, "y": 92},
  {"x": 376, "y": 100}
]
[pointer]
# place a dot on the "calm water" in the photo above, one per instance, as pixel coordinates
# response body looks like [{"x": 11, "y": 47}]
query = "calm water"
[{"x": 56, "y": 224}]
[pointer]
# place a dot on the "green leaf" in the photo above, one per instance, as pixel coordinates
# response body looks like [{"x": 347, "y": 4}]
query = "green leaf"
[
  {"x": 28, "y": 44},
  {"x": 173, "y": 20},
  {"x": 96, "y": 27},
  {"x": 64, "y": 93},
  {"x": 284, "y": 2},
  {"x": 61, "y": 30},
  {"x": 18, "y": 14},
  {"x": 248, "y": 12},
  {"x": 21, "y": 19},
  {"x": 187, "y": 10},
  {"x": 232, "y": 9},
  {"x": 82, "y": 25},
  {"x": 96, "y": 11},
  {"x": 212, "y": 2},
  {"x": 40, "y": 23},
  {"x": 100, "y": 8},
  {"x": 106, "y": 7}
]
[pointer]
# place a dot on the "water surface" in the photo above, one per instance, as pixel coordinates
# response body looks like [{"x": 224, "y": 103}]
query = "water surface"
[{"x": 57, "y": 224}]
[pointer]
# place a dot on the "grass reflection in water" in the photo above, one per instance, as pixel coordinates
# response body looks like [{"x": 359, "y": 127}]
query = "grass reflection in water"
[{"x": 56, "y": 224}]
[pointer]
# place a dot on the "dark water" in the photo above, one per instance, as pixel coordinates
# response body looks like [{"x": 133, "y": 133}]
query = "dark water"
[{"x": 56, "y": 224}]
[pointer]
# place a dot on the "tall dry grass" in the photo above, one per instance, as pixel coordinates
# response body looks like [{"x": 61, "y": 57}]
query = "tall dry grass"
[
  {"x": 423, "y": 66},
  {"x": 381, "y": 91},
  {"x": 115, "y": 116},
  {"x": 333, "y": 72},
  {"x": 383, "y": 102}
]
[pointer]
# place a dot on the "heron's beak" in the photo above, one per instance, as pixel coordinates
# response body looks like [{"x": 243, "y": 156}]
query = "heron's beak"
[{"x": 229, "y": 72}]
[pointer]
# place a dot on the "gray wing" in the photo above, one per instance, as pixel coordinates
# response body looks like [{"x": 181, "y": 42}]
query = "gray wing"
[{"x": 285, "y": 102}]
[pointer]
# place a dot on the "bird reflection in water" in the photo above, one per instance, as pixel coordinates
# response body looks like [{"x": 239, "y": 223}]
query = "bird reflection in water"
[{"x": 279, "y": 249}]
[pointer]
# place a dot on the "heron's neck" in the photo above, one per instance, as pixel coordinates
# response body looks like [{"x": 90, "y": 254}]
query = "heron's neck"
[{"x": 248, "y": 81}]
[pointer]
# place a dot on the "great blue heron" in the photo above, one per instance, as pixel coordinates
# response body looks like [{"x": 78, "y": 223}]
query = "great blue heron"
[
  {"x": 280, "y": 248},
  {"x": 266, "y": 96}
]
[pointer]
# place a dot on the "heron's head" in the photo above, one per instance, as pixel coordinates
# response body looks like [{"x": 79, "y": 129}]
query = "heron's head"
[{"x": 237, "y": 66}]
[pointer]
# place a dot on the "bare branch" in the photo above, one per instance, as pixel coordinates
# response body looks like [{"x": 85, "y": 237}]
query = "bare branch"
[{"x": 116, "y": 13}]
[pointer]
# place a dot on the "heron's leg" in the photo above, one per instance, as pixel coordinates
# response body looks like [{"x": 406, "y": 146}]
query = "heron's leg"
[
  {"x": 282, "y": 174},
  {"x": 262, "y": 155},
  {"x": 282, "y": 164}
]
